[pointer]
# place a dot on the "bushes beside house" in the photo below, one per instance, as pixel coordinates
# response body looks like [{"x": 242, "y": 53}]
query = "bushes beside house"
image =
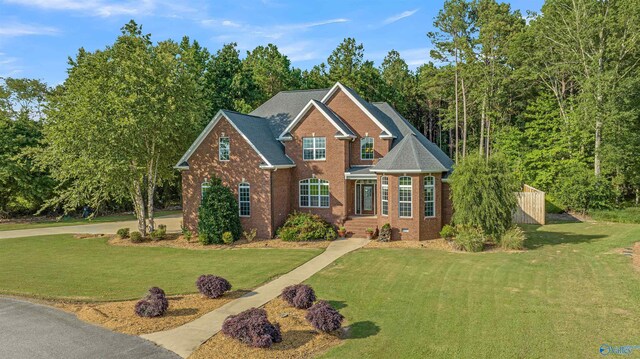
[
  {"x": 302, "y": 226},
  {"x": 218, "y": 214},
  {"x": 513, "y": 239}
]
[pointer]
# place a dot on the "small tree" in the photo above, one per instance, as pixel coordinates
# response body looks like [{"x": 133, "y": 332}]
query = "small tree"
[
  {"x": 579, "y": 190},
  {"x": 483, "y": 194},
  {"x": 218, "y": 214}
]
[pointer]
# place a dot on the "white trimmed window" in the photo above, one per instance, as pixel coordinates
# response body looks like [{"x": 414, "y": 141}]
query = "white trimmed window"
[
  {"x": 366, "y": 148},
  {"x": 404, "y": 196},
  {"x": 384, "y": 194},
  {"x": 314, "y": 148},
  {"x": 203, "y": 187},
  {"x": 429, "y": 196},
  {"x": 314, "y": 193},
  {"x": 224, "y": 149},
  {"x": 244, "y": 199}
]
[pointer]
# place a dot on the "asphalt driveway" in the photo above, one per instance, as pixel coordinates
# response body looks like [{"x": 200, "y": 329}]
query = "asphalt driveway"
[{"x": 35, "y": 331}]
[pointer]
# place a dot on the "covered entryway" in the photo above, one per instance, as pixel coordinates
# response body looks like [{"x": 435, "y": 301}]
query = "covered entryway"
[{"x": 365, "y": 200}]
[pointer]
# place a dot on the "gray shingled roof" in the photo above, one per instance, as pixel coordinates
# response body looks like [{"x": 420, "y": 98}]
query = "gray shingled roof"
[
  {"x": 409, "y": 155},
  {"x": 282, "y": 108},
  {"x": 257, "y": 130}
]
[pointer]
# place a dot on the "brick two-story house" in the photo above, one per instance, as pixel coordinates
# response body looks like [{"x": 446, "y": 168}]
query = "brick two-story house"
[{"x": 327, "y": 152}]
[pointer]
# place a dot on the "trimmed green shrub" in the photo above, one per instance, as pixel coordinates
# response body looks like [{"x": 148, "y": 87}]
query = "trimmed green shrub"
[
  {"x": 302, "y": 226},
  {"x": 513, "y": 238},
  {"x": 158, "y": 233},
  {"x": 136, "y": 237},
  {"x": 385, "y": 233},
  {"x": 123, "y": 233},
  {"x": 469, "y": 238},
  {"x": 227, "y": 238},
  {"x": 448, "y": 232},
  {"x": 187, "y": 235},
  {"x": 251, "y": 235},
  {"x": 218, "y": 213},
  {"x": 483, "y": 194}
]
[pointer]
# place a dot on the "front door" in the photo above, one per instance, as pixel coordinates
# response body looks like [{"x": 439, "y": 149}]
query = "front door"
[{"x": 368, "y": 199}]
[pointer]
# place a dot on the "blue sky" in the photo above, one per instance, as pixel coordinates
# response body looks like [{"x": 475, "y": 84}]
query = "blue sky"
[{"x": 37, "y": 36}]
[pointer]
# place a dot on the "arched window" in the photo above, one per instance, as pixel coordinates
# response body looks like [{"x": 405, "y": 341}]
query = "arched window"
[
  {"x": 203, "y": 187},
  {"x": 429, "y": 196},
  {"x": 384, "y": 194},
  {"x": 404, "y": 196},
  {"x": 244, "y": 199},
  {"x": 314, "y": 193}
]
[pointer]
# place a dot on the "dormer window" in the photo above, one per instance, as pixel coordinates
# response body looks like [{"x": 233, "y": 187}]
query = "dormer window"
[
  {"x": 224, "y": 149},
  {"x": 366, "y": 148},
  {"x": 314, "y": 148}
]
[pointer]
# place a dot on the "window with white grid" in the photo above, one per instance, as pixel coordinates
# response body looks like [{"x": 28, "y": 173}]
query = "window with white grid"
[
  {"x": 314, "y": 193},
  {"x": 429, "y": 196},
  {"x": 314, "y": 148},
  {"x": 244, "y": 199},
  {"x": 224, "y": 149},
  {"x": 404, "y": 196},
  {"x": 366, "y": 148},
  {"x": 384, "y": 194}
]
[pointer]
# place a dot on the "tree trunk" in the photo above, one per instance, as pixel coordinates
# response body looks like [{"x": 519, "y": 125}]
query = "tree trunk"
[
  {"x": 464, "y": 119},
  {"x": 482, "y": 124},
  {"x": 138, "y": 204},
  {"x": 457, "y": 116},
  {"x": 637, "y": 196},
  {"x": 488, "y": 148},
  {"x": 151, "y": 190}
]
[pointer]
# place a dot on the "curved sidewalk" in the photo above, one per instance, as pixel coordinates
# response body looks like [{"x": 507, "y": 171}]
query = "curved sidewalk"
[
  {"x": 172, "y": 222},
  {"x": 187, "y": 338}
]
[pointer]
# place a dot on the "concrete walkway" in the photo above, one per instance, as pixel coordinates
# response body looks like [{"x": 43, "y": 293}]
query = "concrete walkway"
[
  {"x": 33, "y": 331},
  {"x": 172, "y": 222},
  {"x": 187, "y": 338}
]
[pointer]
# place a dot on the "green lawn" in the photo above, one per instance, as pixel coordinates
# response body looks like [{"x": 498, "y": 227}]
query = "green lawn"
[
  {"x": 72, "y": 221},
  {"x": 563, "y": 298},
  {"x": 60, "y": 266},
  {"x": 626, "y": 215}
]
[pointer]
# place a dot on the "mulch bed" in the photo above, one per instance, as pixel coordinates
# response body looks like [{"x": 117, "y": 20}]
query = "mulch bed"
[
  {"x": 299, "y": 338},
  {"x": 120, "y": 316},
  {"x": 178, "y": 241},
  {"x": 429, "y": 244}
]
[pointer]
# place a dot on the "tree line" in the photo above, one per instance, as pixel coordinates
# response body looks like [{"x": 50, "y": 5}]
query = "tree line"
[{"x": 555, "y": 92}]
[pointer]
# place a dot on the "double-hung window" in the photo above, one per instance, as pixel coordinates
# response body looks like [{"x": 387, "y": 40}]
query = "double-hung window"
[
  {"x": 366, "y": 148},
  {"x": 244, "y": 199},
  {"x": 404, "y": 196},
  {"x": 314, "y": 193},
  {"x": 429, "y": 196},
  {"x": 384, "y": 194},
  {"x": 224, "y": 149},
  {"x": 314, "y": 148}
]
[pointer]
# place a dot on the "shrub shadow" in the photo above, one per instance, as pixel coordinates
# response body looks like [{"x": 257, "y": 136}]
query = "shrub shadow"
[
  {"x": 538, "y": 239},
  {"x": 361, "y": 330},
  {"x": 293, "y": 339},
  {"x": 337, "y": 304},
  {"x": 182, "y": 312}
]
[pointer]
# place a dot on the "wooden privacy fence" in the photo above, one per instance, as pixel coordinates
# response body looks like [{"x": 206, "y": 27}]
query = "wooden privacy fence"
[{"x": 530, "y": 208}]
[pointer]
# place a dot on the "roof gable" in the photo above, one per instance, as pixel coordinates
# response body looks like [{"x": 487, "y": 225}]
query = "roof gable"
[
  {"x": 361, "y": 103},
  {"x": 253, "y": 130},
  {"x": 343, "y": 130},
  {"x": 409, "y": 156}
]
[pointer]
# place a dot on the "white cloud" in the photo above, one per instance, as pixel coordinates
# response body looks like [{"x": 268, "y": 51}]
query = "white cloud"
[
  {"x": 399, "y": 16},
  {"x": 9, "y": 66},
  {"x": 13, "y": 29}
]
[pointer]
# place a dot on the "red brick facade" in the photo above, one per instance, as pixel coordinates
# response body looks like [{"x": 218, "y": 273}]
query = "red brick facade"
[{"x": 275, "y": 192}]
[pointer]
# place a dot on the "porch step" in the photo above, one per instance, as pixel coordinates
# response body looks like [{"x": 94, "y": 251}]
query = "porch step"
[{"x": 357, "y": 226}]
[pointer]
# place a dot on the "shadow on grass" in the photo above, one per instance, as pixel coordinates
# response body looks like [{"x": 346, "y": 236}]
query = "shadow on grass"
[
  {"x": 364, "y": 329},
  {"x": 538, "y": 239},
  {"x": 337, "y": 304}
]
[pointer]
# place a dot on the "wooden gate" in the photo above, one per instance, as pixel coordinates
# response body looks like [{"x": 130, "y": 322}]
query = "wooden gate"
[{"x": 530, "y": 208}]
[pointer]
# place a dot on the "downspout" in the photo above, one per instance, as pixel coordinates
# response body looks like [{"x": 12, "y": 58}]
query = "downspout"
[{"x": 273, "y": 230}]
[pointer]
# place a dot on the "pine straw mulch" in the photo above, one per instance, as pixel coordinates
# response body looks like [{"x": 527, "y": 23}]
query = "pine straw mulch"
[
  {"x": 299, "y": 338},
  {"x": 178, "y": 241},
  {"x": 120, "y": 316},
  {"x": 429, "y": 244}
]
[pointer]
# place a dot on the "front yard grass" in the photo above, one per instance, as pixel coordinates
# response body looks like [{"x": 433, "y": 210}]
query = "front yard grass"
[
  {"x": 73, "y": 221},
  {"x": 61, "y": 266},
  {"x": 564, "y": 297}
]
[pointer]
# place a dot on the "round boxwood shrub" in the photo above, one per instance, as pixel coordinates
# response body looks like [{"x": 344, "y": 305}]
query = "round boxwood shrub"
[
  {"x": 300, "y": 296},
  {"x": 324, "y": 318},
  {"x": 136, "y": 237},
  {"x": 212, "y": 286},
  {"x": 218, "y": 214},
  {"x": 253, "y": 328},
  {"x": 123, "y": 233},
  {"x": 154, "y": 304}
]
